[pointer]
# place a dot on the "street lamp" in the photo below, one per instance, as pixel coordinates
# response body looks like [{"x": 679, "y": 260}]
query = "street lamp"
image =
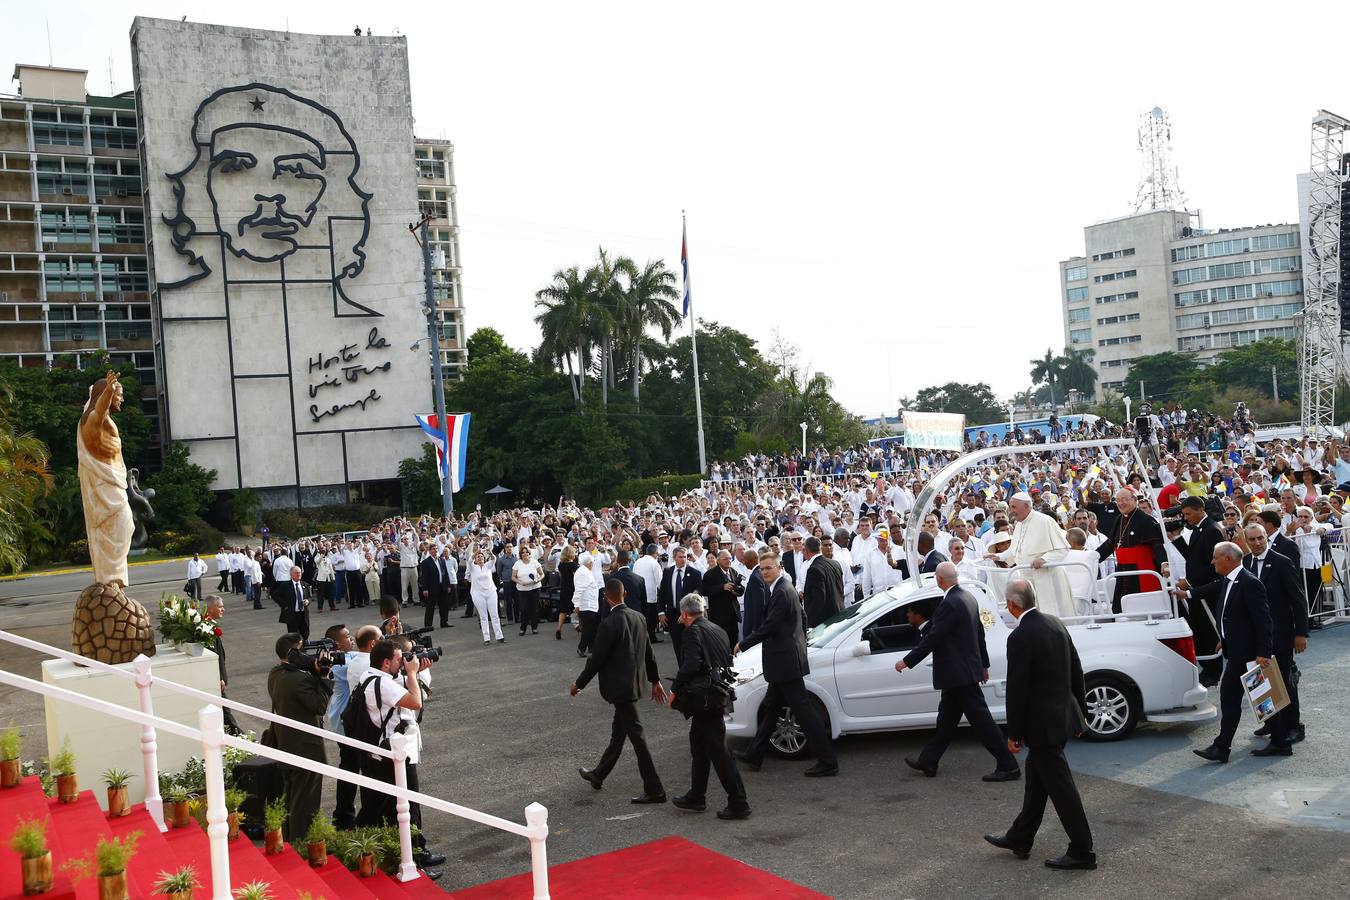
[{"x": 803, "y": 426}]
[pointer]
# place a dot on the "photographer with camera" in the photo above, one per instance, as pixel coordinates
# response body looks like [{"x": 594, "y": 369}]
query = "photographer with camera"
[
  {"x": 701, "y": 690},
  {"x": 407, "y": 644},
  {"x": 300, "y": 686},
  {"x": 349, "y": 758}
]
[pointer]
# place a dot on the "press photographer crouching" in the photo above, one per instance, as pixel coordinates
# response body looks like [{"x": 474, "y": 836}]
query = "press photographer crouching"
[
  {"x": 702, "y": 691},
  {"x": 392, "y": 690},
  {"x": 300, "y": 686}
]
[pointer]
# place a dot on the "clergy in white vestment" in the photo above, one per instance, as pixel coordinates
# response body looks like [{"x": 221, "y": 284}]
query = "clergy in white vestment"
[{"x": 1037, "y": 540}]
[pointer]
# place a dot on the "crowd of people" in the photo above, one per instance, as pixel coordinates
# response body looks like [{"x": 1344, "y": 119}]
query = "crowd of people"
[{"x": 1065, "y": 525}]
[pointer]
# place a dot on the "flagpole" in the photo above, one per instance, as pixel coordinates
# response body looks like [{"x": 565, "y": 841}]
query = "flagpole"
[{"x": 693, "y": 341}]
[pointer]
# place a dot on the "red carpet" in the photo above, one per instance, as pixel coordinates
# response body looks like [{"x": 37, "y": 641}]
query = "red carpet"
[{"x": 671, "y": 868}]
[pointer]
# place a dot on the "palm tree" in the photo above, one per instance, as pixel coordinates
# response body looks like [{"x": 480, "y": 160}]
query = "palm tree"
[
  {"x": 607, "y": 291},
  {"x": 565, "y": 324},
  {"x": 1047, "y": 370},
  {"x": 647, "y": 302},
  {"x": 1077, "y": 373},
  {"x": 24, "y": 478}
]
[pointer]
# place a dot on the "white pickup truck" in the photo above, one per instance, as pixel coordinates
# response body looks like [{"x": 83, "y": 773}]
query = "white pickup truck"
[{"x": 1140, "y": 664}]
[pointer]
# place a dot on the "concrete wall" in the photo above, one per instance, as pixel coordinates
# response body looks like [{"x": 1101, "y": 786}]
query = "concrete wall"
[{"x": 285, "y": 335}]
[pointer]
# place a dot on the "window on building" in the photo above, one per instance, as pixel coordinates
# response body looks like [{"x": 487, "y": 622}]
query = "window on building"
[
  {"x": 1277, "y": 264},
  {"x": 1116, "y": 320},
  {"x": 1079, "y": 315},
  {"x": 1114, "y": 341},
  {"x": 1113, "y": 254},
  {"x": 1284, "y": 241},
  {"x": 1230, "y": 270},
  {"x": 1114, "y": 276},
  {"x": 1077, "y": 293},
  {"x": 1113, "y": 363},
  {"x": 1117, "y": 298},
  {"x": 1182, "y": 254},
  {"x": 117, "y": 138},
  {"x": 1113, "y": 386},
  {"x": 1226, "y": 248},
  {"x": 1075, "y": 273},
  {"x": 67, "y": 228},
  {"x": 1080, "y": 336},
  {"x": 1278, "y": 288},
  {"x": 53, "y": 135}
]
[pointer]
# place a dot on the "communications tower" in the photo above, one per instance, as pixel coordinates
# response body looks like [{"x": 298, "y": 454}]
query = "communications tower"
[
  {"x": 1159, "y": 186},
  {"x": 1325, "y": 297}
]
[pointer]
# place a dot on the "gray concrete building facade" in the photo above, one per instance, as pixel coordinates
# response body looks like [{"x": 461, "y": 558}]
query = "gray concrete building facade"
[
  {"x": 286, "y": 288},
  {"x": 1154, "y": 281}
]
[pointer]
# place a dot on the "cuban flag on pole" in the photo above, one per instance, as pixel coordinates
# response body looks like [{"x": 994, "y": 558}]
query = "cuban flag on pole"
[
  {"x": 684, "y": 265},
  {"x": 452, "y": 451}
]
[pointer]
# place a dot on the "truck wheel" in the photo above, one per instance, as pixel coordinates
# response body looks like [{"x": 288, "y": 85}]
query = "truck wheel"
[{"x": 1112, "y": 709}]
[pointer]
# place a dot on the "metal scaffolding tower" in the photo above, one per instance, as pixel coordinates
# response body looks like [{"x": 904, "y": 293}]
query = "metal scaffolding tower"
[
  {"x": 1159, "y": 184},
  {"x": 1320, "y": 336}
]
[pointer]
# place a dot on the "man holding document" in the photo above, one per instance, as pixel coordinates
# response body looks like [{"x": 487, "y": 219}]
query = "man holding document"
[{"x": 1245, "y": 633}]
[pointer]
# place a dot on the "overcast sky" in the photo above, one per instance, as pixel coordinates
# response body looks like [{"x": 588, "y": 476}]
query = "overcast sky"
[{"x": 889, "y": 185}]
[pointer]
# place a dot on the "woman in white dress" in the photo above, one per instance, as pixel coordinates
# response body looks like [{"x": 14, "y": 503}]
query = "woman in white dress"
[{"x": 484, "y": 595}]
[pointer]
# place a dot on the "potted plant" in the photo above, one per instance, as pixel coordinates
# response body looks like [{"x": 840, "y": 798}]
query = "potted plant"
[
  {"x": 29, "y": 841},
  {"x": 320, "y": 832},
  {"x": 109, "y": 862},
  {"x": 178, "y": 885},
  {"x": 234, "y": 798},
  {"x": 116, "y": 780},
  {"x": 63, "y": 766},
  {"x": 254, "y": 890},
  {"x": 274, "y": 816},
  {"x": 364, "y": 848},
  {"x": 181, "y": 815},
  {"x": 11, "y": 767}
]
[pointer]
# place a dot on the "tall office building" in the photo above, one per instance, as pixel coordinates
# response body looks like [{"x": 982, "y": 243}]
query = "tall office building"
[
  {"x": 436, "y": 197},
  {"x": 73, "y": 272},
  {"x": 1153, "y": 282}
]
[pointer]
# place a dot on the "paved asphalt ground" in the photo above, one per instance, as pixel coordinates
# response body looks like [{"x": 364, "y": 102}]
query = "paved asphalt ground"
[{"x": 502, "y": 732}]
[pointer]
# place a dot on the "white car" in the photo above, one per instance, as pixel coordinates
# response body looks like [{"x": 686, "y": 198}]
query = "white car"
[{"x": 1133, "y": 667}]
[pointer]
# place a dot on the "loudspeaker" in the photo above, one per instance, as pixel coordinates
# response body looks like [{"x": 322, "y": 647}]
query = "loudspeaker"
[{"x": 262, "y": 779}]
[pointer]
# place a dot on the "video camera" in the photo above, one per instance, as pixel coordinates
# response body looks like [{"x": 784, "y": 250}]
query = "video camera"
[
  {"x": 314, "y": 656},
  {"x": 422, "y": 648}
]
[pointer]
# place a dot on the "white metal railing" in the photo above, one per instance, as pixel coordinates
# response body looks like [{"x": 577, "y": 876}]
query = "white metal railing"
[{"x": 211, "y": 733}]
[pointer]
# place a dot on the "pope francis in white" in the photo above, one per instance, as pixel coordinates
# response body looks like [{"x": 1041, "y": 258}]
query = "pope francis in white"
[{"x": 1037, "y": 539}]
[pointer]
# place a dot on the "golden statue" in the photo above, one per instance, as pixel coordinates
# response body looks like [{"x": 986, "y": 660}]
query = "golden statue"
[{"x": 108, "y": 626}]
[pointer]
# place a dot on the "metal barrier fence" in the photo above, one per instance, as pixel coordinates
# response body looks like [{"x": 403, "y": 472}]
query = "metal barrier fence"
[{"x": 211, "y": 733}]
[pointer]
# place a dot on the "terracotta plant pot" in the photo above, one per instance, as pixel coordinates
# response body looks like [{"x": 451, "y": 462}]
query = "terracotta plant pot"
[
  {"x": 117, "y": 802},
  {"x": 180, "y": 895},
  {"x": 11, "y": 772},
  {"x": 181, "y": 816},
  {"x": 367, "y": 867},
  {"x": 67, "y": 788},
  {"x": 37, "y": 874},
  {"x": 233, "y": 821},
  {"x": 272, "y": 842},
  {"x": 112, "y": 887},
  {"x": 318, "y": 854}
]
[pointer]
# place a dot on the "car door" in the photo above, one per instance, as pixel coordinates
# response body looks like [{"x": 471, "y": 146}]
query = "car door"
[{"x": 868, "y": 685}]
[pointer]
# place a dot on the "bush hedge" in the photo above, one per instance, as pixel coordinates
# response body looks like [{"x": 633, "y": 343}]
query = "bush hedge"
[
  {"x": 637, "y": 489},
  {"x": 325, "y": 519}
]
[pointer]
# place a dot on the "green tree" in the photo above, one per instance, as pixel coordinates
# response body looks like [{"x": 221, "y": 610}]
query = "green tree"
[
  {"x": 24, "y": 480},
  {"x": 1167, "y": 376},
  {"x": 1048, "y": 370},
  {"x": 1248, "y": 368},
  {"x": 1077, "y": 373},
  {"x": 182, "y": 489},
  {"x": 421, "y": 484},
  {"x": 647, "y": 302},
  {"x": 566, "y": 325},
  {"x": 975, "y": 401}
]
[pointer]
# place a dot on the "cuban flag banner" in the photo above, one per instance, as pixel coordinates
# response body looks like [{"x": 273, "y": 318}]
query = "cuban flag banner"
[{"x": 452, "y": 451}]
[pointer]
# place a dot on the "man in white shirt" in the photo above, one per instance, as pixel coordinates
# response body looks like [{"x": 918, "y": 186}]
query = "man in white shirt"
[
  {"x": 407, "y": 568},
  {"x": 237, "y": 571},
  {"x": 384, "y": 695},
  {"x": 879, "y": 570},
  {"x": 351, "y": 568},
  {"x": 648, "y": 568},
  {"x": 596, "y": 560},
  {"x": 281, "y": 564},
  {"x": 865, "y": 542},
  {"x": 837, "y": 549},
  {"x": 223, "y": 570}
]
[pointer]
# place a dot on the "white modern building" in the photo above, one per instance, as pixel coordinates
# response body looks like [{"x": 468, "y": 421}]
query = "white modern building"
[
  {"x": 1155, "y": 281},
  {"x": 436, "y": 198}
]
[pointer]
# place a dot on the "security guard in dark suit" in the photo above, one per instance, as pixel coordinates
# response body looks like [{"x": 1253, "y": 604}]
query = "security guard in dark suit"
[
  {"x": 621, "y": 657},
  {"x": 1289, "y": 620}
]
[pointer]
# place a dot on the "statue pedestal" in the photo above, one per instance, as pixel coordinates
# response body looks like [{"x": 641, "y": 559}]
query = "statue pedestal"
[{"x": 102, "y": 742}]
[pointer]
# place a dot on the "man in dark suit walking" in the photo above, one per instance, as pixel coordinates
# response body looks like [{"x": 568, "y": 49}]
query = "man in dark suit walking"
[
  {"x": 823, "y": 591},
  {"x": 428, "y": 578},
  {"x": 293, "y": 598},
  {"x": 1245, "y": 633},
  {"x": 446, "y": 578},
  {"x": 1199, "y": 551},
  {"x": 1045, "y": 697},
  {"x": 955, "y": 637},
  {"x": 622, "y": 654},
  {"x": 756, "y": 597},
  {"x": 634, "y": 588},
  {"x": 677, "y": 581},
  {"x": 1289, "y": 621},
  {"x": 785, "y": 667},
  {"x": 1271, "y": 522}
]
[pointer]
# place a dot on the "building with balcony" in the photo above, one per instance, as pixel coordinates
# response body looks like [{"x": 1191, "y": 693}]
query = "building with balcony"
[
  {"x": 73, "y": 271},
  {"x": 436, "y": 198},
  {"x": 1154, "y": 281}
]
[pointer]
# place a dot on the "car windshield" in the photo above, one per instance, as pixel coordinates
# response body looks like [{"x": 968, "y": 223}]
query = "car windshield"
[{"x": 826, "y": 631}]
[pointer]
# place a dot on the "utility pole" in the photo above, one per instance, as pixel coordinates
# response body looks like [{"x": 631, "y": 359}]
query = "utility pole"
[
  {"x": 1274, "y": 385},
  {"x": 437, "y": 374},
  {"x": 1142, "y": 398}
]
